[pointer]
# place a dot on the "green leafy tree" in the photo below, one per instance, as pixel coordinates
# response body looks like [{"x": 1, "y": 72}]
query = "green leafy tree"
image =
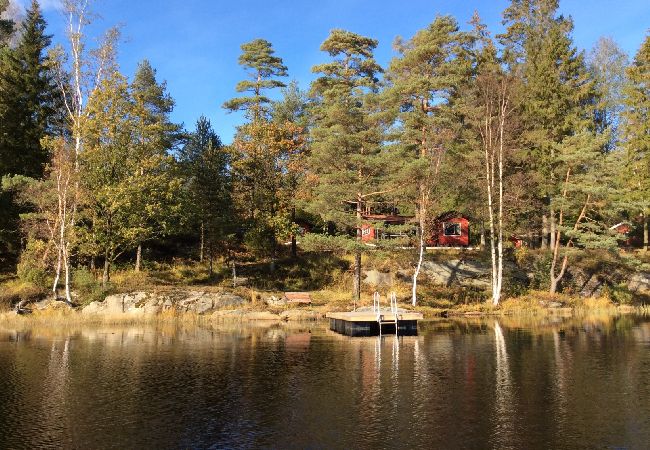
[
  {"x": 129, "y": 180},
  {"x": 292, "y": 112},
  {"x": 266, "y": 161},
  {"x": 607, "y": 63},
  {"x": 112, "y": 219},
  {"x": 636, "y": 137},
  {"x": 347, "y": 164}
]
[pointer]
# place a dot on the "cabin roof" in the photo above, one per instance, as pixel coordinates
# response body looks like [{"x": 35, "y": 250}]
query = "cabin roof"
[
  {"x": 613, "y": 227},
  {"x": 451, "y": 215}
]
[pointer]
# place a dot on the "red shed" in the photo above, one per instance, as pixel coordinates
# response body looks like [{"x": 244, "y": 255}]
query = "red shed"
[
  {"x": 451, "y": 229},
  {"x": 624, "y": 229},
  {"x": 367, "y": 232}
]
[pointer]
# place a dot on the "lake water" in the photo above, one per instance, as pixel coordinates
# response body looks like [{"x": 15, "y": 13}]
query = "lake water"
[{"x": 458, "y": 384}]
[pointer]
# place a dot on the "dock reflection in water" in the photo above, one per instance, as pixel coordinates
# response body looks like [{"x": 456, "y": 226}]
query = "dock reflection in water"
[{"x": 457, "y": 384}]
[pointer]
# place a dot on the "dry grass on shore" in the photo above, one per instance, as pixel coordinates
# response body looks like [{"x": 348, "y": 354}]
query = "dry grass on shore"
[{"x": 61, "y": 315}]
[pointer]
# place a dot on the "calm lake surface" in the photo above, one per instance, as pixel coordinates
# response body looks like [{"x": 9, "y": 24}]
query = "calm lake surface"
[{"x": 458, "y": 384}]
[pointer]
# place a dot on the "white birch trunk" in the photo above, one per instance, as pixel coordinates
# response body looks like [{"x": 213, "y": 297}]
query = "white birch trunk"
[
  {"x": 68, "y": 296},
  {"x": 496, "y": 297},
  {"x": 414, "y": 298},
  {"x": 57, "y": 273},
  {"x": 493, "y": 152}
]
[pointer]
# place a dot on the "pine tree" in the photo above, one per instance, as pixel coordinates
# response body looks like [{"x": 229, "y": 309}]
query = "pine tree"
[
  {"x": 28, "y": 99},
  {"x": 424, "y": 81},
  {"x": 558, "y": 92},
  {"x": 263, "y": 68},
  {"x": 264, "y": 151},
  {"x": 292, "y": 107},
  {"x": 205, "y": 163},
  {"x": 636, "y": 137},
  {"x": 582, "y": 199},
  {"x": 28, "y": 111},
  {"x": 156, "y": 138},
  {"x": 347, "y": 164}
]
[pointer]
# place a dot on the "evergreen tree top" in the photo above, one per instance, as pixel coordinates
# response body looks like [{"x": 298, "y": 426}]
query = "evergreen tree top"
[
  {"x": 258, "y": 54},
  {"x": 147, "y": 90},
  {"x": 262, "y": 66},
  {"x": 353, "y": 62}
]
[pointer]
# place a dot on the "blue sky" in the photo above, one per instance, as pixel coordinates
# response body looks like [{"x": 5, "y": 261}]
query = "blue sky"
[{"x": 194, "y": 44}]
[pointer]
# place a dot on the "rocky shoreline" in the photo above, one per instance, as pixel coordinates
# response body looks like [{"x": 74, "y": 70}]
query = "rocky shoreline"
[{"x": 217, "y": 305}]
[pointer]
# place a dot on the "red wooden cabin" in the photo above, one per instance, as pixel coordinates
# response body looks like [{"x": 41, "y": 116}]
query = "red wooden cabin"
[
  {"x": 450, "y": 229},
  {"x": 624, "y": 229}
]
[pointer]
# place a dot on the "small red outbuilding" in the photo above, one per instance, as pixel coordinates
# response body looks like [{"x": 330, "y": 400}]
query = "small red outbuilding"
[{"x": 450, "y": 229}]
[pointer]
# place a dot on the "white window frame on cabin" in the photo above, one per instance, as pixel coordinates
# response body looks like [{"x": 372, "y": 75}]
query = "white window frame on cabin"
[
  {"x": 365, "y": 231},
  {"x": 457, "y": 226}
]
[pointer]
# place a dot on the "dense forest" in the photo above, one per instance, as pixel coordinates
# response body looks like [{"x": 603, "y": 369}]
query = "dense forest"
[{"x": 523, "y": 132}]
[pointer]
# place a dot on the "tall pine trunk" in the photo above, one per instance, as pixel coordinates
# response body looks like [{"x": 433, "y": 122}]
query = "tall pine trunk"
[
  {"x": 357, "y": 255},
  {"x": 544, "y": 232},
  {"x": 646, "y": 243},
  {"x": 202, "y": 245},
  {"x": 553, "y": 227},
  {"x": 294, "y": 247},
  {"x": 138, "y": 258},
  {"x": 106, "y": 276}
]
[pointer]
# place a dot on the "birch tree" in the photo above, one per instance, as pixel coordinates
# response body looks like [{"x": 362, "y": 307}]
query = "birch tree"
[
  {"x": 77, "y": 74},
  {"x": 491, "y": 109},
  {"x": 51, "y": 218}
]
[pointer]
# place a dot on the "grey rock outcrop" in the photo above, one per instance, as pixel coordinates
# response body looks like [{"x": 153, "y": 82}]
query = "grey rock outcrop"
[
  {"x": 377, "y": 278},
  {"x": 639, "y": 283},
  {"x": 457, "y": 272},
  {"x": 150, "y": 303},
  {"x": 274, "y": 300}
]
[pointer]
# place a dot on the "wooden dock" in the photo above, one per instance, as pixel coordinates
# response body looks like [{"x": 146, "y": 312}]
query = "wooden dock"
[{"x": 372, "y": 323}]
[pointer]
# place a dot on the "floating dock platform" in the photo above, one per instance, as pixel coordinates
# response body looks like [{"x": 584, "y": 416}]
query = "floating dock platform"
[{"x": 373, "y": 323}]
